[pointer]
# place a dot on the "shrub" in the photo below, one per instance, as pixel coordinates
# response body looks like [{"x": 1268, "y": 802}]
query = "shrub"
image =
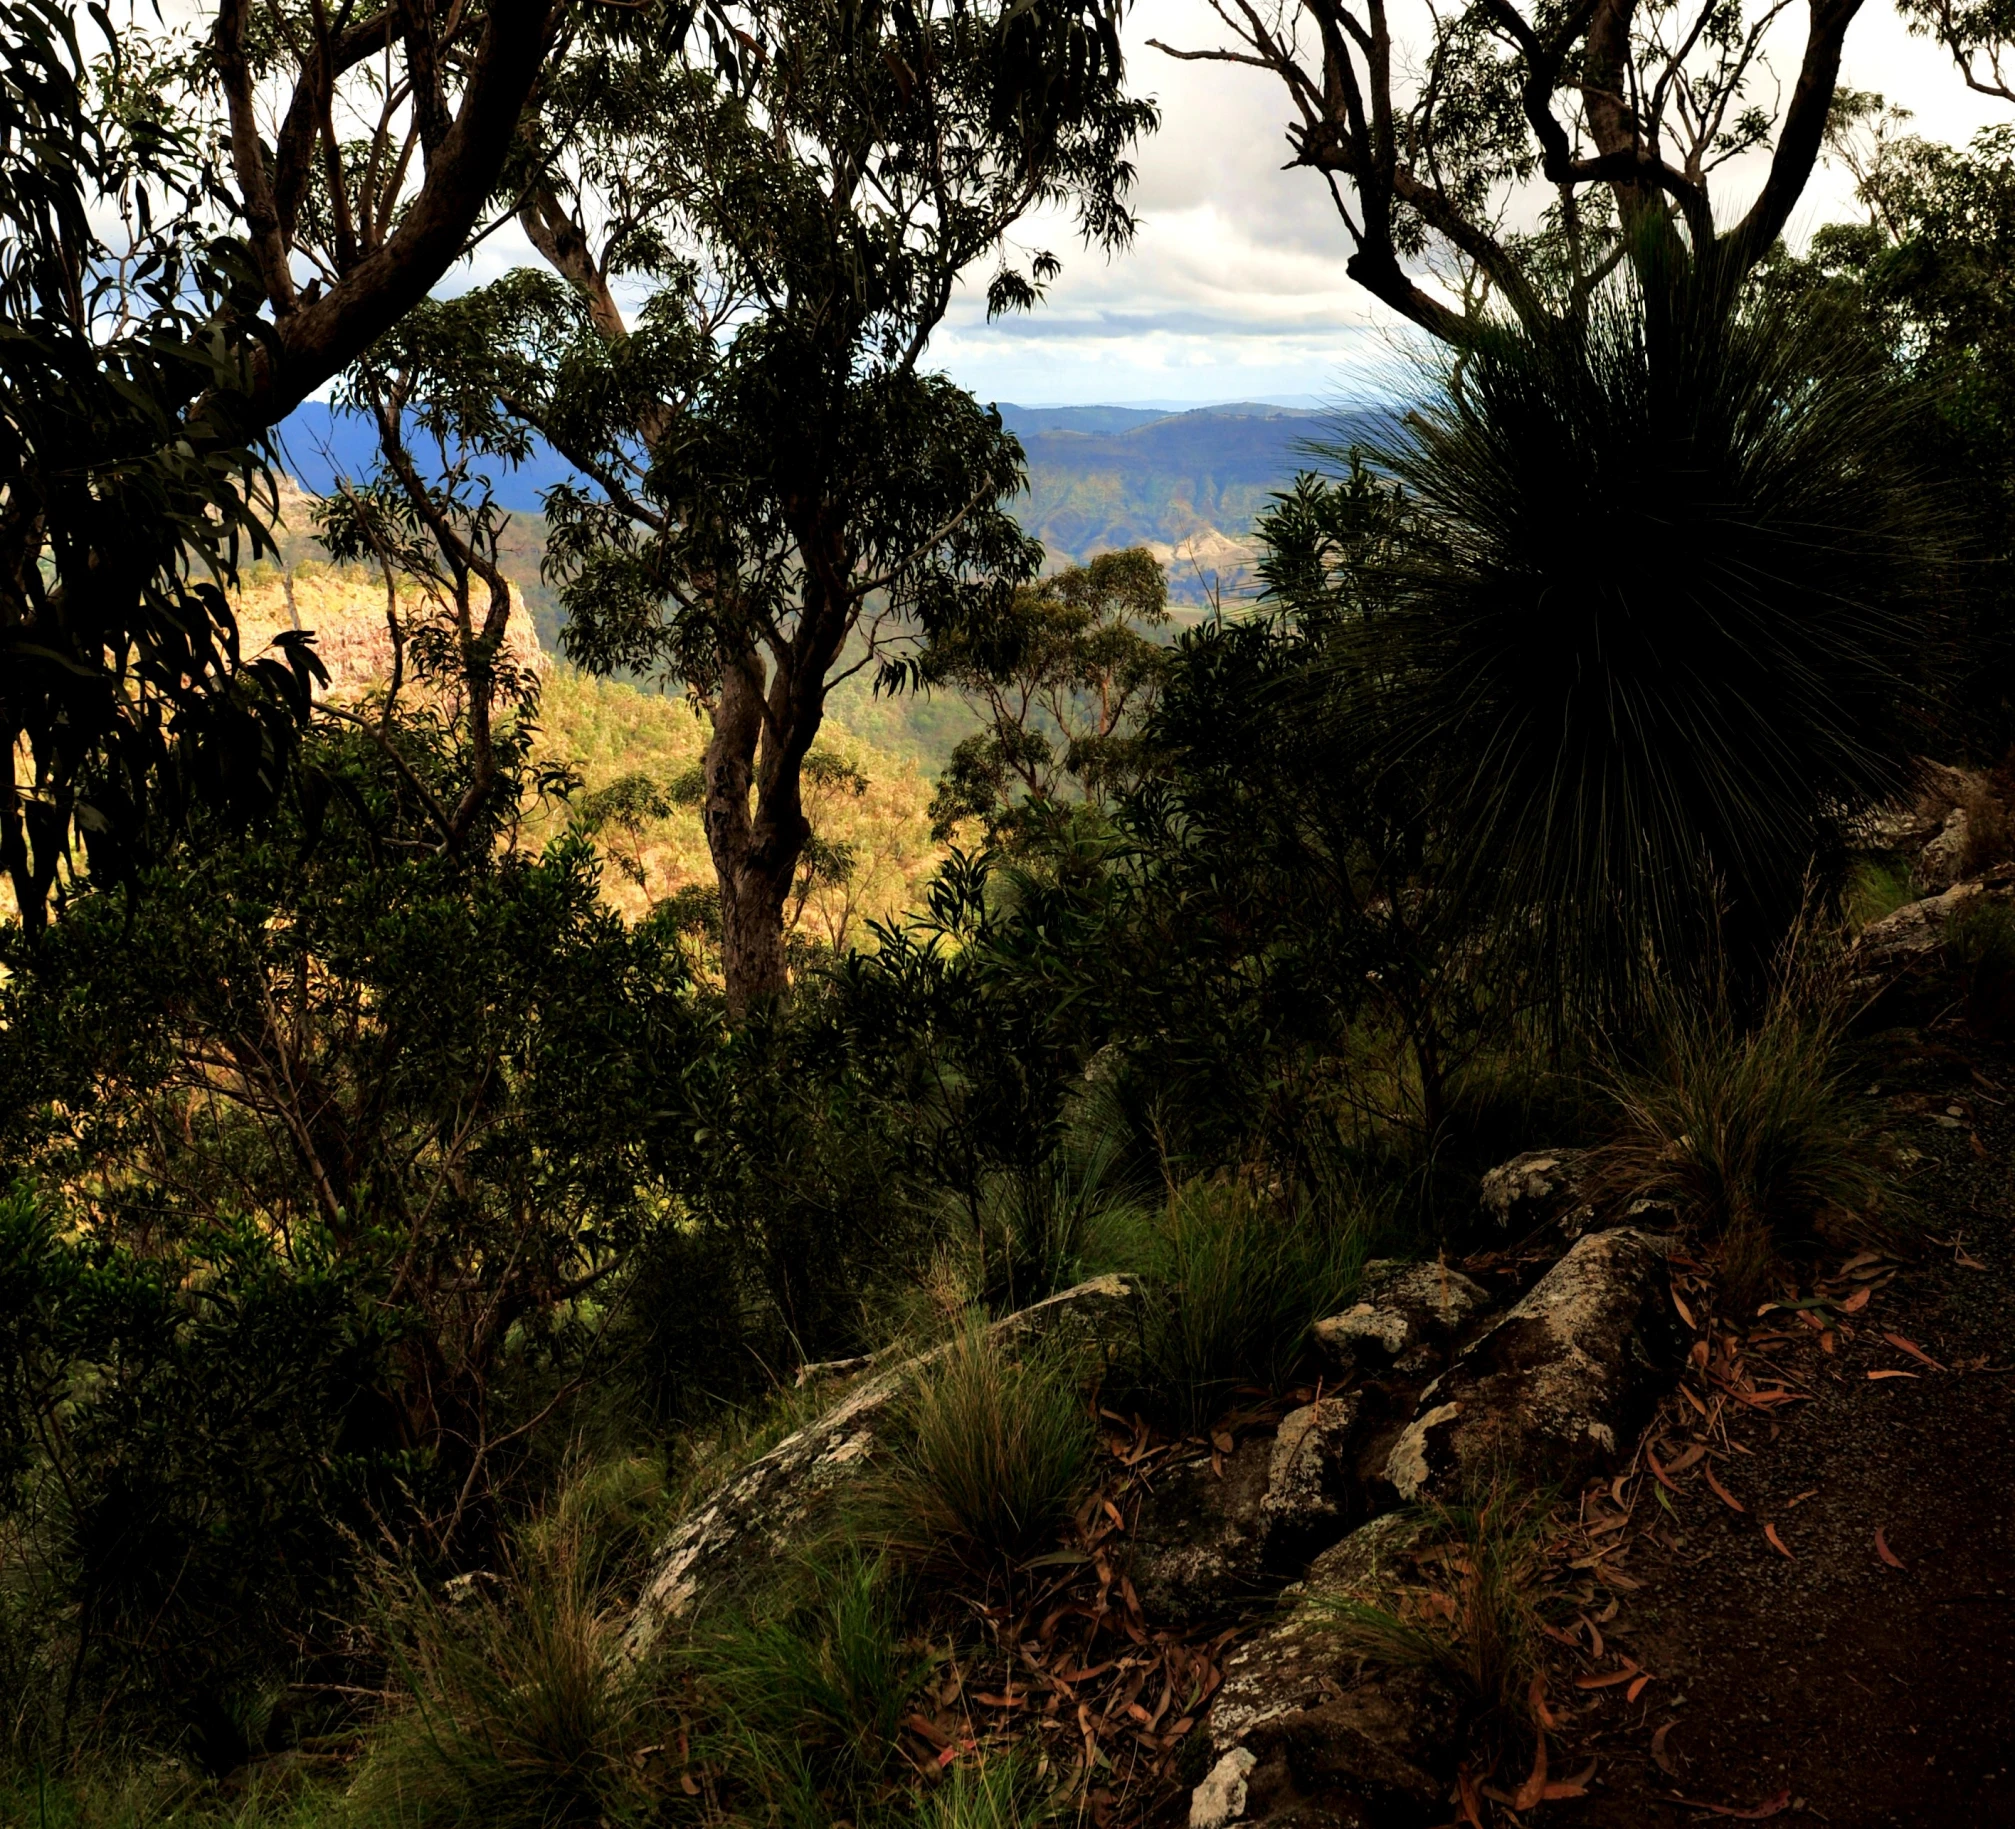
[
  {"x": 519, "y": 1713},
  {"x": 990, "y": 1452},
  {"x": 806, "y": 1690},
  {"x": 1474, "y": 1613},
  {"x": 1239, "y": 1274},
  {"x": 1753, "y": 1132},
  {"x": 1658, "y": 629}
]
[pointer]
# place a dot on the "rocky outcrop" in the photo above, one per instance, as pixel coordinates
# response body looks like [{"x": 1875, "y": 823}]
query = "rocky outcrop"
[
  {"x": 794, "y": 1492},
  {"x": 1308, "y": 1731},
  {"x": 1200, "y": 1539},
  {"x": 1559, "y": 1385},
  {"x": 1308, "y": 1485},
  {"x": 1407, "y": 1318},
  {"x": 1541, "y": 1187},
  {"x": 1916, "y": 934}
]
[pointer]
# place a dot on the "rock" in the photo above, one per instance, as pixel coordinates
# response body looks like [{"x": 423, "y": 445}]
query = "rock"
[
  {"x": 1220, "y": 1799},
  {"x": 773, "y": 1506},
  {"x": 1915, "y": 934},
  {"x": 1559, "y": 1385},
  {"x": 1941, "y": 862},
  {"x": 1199, "y": 1542},
  {"x": 1333, "y": 1739},
  {"x": 1408, "y": 1316},
  {"x": 1307, "y": 1484},
  {"x": 1538, "y": 1188}
]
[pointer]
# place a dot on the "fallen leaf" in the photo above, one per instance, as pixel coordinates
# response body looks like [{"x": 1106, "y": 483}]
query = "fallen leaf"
[
  {"x": 1883, "y": 1550},
  {"x": 1636, "y": 1689},
  {"x": 689, "y": 1784},
  {"x": 1534, "y": 1787},
  {"x": 1472, "y": 1804},
  {"x": 1856, "y": 1302},
  {"x": 1221, "y": 1441},
  {"x": 1577, "y": 1786},
  {"x": 1610, "y": 1681},
  {"x": 1687, "y": 1459},
  {"x": 1685, "y": 1313},
  {"x": 1979, "y": 1148},
  {"x": 1659, "y": 1756},
  {"x": 1892, "y": 1372},
  {"x": 1658, "y": 1472},
  {"x": 1721, "y": 1492},
  {"x": 1541, "y": 1712},
  {"x": 1914, "y": 1350},
  {"x": 1769, "y": 1807},
  {"x": 1967, "y": 1263},
  {"x": 1776, "y": 1542},
  {"x": 1811, "y": 1492}
]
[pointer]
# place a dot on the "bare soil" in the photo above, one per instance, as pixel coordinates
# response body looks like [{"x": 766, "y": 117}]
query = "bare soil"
[{"x": 1815, "y": 1676}]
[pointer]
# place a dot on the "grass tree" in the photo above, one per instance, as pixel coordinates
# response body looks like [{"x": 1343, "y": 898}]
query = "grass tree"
[
  {"x": 1664, "y": 622},
  {"x": 748, "y": 257}
]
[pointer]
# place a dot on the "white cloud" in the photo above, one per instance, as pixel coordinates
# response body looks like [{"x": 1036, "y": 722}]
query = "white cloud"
[{"x": 1235, "y": 286}]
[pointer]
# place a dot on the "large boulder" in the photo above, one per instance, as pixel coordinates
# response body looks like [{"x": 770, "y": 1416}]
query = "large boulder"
[
  {"x": 1541, "y": 1187},
  {"x": 1308, "y": 1484},
  {"x": 1560, "y": 1385},
  {"x": 1408, "y": 1317},
  {"x": 1199, "y": 1540},
  {"x": 795, "y": 1492},
  {"x": 1307, "y": 1731}
]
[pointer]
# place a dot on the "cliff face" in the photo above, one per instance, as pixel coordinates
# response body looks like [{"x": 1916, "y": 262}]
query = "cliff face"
[{"x": 346, "y": 614}]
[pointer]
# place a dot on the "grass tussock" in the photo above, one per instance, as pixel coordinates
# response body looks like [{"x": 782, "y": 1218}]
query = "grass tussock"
[
  {"x": 519, "y": 1714},
  {"x": 806, "y": 1690},
  {"x": 1754, "y": 1132},
  {"x": 1475, "y": 1610},
  {"x": 1241, "y": 1273},
  {"x": 990, "y": 1454}
]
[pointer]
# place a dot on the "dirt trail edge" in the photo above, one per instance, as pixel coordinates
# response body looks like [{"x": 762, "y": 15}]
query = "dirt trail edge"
[{"x": 1815, "y": 1613}]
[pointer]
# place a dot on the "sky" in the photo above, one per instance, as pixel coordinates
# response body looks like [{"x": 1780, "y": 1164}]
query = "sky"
[{"x": 1235, "y": 288}]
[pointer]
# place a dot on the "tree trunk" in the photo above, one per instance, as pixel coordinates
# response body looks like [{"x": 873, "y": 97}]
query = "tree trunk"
[{"x": 755, "y": 829}]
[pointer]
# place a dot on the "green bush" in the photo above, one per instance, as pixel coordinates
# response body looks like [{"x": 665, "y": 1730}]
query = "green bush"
[
  {"x": 1237, "y": 1275},
  {"x": 989, "y": 1452},
  {"x": 1754, "y": 1131},
  {"x": 519, "y": 1713},
  {"x": 805, "y": 1690}
]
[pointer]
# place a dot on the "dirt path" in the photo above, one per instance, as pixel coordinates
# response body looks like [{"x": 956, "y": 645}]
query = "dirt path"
[{"x": 1819, "y": 1678}]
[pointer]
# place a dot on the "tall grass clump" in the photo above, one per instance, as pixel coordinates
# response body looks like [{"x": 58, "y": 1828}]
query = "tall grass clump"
[
  {"x": 1475, "y": 1613},
  {"x": 1660, "y": 626},
  {"x": 1754, "y": 1131},
  {"x": 990, "y": 1451},
  {"x": 806, "y": 1689},
  {"x": 518, "y": 1712},
  {"x": 1237, "y": 1274}
]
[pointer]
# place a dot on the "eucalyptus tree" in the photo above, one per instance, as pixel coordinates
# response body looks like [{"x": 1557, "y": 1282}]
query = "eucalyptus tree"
[
  {"x": 1500, "y": 157},
  {"x": 197, "y": 230},
  {"x": 747, "y": 262}
]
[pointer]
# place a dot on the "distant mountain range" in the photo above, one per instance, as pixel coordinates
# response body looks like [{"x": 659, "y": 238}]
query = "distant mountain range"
[{"x": 1186, "y": 483}]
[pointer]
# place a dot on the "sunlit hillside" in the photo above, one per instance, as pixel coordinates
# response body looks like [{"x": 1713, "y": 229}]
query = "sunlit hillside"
[{"x": 636, "y": 753}]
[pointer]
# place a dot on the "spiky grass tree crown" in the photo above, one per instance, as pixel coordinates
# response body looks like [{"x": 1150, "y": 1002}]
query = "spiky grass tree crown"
[{"x": 1664, "y": 621}]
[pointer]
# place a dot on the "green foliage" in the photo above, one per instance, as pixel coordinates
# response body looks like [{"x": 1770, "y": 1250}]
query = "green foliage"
[
  {"x": 187, "y": 1465},
  {"x": 1068, "y": 674},
  {"x": 520, "y": 1710},
  {"x": 989, "y": 1453},
  {"x": 1474, "y": 1612},
  {"x": 1654, "y": 627},
  {"x": 1237, "y": 1274},
  {"x": 1754, "y": 1131},
  {"x": 131, "y": 488},
  {"x": 807, "y": 1690}
]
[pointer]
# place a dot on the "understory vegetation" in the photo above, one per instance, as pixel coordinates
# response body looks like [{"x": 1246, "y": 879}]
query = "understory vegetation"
[{"x": 455, "y": 1119}]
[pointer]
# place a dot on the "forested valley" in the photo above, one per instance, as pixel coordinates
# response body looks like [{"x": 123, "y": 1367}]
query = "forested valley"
[{"x": 903, "y": 1180}]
